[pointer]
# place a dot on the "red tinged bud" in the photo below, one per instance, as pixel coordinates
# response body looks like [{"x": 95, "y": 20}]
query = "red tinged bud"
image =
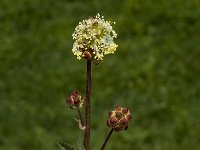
[
  {"x": 108, "y": 123},
  {"x": 87, "y": 55},
  {"x": 117, "y": 128},
  {"x": 75, "y": 100},
  {"x": 113, "y": 121},
  {"x": 129, "y": 117},
  {"x": 111, "y": 113},
  {"x": 118, "y": 115},
  {"x": 123, "y": 121},
  {"x": 125, "y": 111},
  {"x": 119, "y": 119},
  {"x": 70, "y": 101},
  {"x": 118, "y": 108}
]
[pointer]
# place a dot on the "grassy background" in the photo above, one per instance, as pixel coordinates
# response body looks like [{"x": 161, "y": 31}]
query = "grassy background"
[{"x": 155, "y": 72}]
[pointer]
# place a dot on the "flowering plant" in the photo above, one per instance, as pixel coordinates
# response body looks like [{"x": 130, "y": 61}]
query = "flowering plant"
[{"x": 94, "y": 38}]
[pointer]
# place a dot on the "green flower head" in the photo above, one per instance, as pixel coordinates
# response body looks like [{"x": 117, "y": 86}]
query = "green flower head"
[{"x": 94, "y": 38}]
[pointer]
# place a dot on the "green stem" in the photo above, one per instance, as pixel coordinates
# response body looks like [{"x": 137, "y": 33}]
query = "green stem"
[
  {"x": 80, "y": 116},
  {"x": 106, "y": 140}
]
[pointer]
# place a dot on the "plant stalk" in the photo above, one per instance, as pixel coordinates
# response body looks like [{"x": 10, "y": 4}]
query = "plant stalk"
[
  {"x": 106, "y": 140},
  {"x": 80, "y": 116},
  {"x": 87, "y": 107},
  {"x": 81, "y": 119}
]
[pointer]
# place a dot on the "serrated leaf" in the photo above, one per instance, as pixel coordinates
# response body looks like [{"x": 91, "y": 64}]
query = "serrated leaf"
[{"x": 65, "y": 146}]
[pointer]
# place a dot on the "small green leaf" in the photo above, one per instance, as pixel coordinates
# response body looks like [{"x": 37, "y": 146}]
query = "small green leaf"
[{"x": 65, "y": 146}]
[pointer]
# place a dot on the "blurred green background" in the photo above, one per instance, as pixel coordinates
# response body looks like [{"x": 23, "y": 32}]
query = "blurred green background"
[{"x": 155, "y": 72}]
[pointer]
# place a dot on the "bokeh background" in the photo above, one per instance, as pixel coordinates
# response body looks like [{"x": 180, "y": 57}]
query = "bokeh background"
[{"x": 155, "y": 72}]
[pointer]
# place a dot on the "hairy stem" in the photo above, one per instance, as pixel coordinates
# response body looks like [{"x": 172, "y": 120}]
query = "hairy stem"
[
  {"x": 87, "y": 107},
  {"x": 106, "y": 140},
  {"x": 80, "y": 116}
]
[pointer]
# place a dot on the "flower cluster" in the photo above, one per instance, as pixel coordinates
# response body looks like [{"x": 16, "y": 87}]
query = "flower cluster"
[
  {"x": 75, "y": 100},
  {"x": 94, "y": 38},
  {"x": 119, "y": 119}
]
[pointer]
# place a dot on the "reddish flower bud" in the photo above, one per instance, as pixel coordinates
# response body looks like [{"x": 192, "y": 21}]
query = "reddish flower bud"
[
  {"x": 108, "y": 123},
  {"x": 125, "y": 111},
  {"x": 70, "y": 101},
  {"x": 87, "y": 55},
  {"x": 111, "y": 113},
  {"x": 118, "y": 115},
  {"x": 123, "y": 121},
  {"x": 129, "y": 117},
  {"x": 117, "y": 128},
  {"x": 113, "y": 121},
  {"x": 118, "y": 108},
  {"x": 75, "y": 100},
  {"x": 119, "y": 119}
]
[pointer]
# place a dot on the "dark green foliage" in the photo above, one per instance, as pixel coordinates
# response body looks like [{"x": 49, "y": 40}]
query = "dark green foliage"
[{"x": 155, "y": 72}]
